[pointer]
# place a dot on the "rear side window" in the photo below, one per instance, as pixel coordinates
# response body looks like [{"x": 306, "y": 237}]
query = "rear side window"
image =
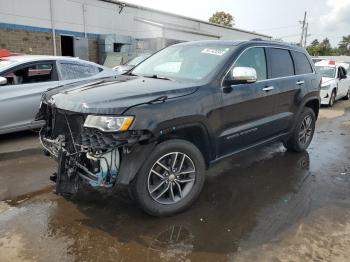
[
  {"x": 76, "y": 70},
  {"x": 281, "y": 63},
  {"x": 255, "y": 58},
  {"x": 302, "y": 64}
]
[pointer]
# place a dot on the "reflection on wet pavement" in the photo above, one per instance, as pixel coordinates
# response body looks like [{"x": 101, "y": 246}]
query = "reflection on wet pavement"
[{"x": 264, "y": 205}]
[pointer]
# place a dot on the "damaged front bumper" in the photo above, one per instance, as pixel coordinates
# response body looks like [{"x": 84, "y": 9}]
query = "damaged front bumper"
[{"x": 98, "y": 158}]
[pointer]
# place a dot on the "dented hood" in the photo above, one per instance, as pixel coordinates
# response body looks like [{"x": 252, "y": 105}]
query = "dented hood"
[{"x": 114, "y": 97}]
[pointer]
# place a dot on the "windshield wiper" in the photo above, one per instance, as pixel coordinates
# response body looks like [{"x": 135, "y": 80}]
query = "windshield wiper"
[
  {"x": 129, "y": 73},
  {"x": 158, "y": 77}
]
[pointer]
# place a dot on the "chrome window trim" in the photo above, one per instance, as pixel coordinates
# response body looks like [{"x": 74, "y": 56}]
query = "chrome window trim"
[{"x": 268, "y": 79}]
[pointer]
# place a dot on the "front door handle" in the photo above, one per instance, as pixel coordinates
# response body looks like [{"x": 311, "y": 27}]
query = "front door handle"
[
  {"x": 268, "y": 88},
  {"x": 300, "y": 82}
]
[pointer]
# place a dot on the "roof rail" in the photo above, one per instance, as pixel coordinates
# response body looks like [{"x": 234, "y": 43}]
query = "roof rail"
[{"x": 256, "y": 39}]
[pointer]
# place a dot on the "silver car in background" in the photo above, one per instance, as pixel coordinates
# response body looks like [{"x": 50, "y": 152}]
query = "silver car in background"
[
  {"x": 121, "y": 69},
  {"x": 23, "y": 79}
]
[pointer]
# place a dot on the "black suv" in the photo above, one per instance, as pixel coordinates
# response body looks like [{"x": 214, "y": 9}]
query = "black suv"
[{"x": 158, "y": 127}]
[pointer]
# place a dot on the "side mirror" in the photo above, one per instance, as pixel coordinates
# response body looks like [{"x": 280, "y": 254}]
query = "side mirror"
[
  {"x": 3, "y": 81},
  {"x": 242, "y": 75}
]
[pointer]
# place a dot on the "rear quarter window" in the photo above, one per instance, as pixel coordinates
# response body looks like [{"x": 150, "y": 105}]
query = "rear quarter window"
[
  {"x": 281, "y": 63},
  {"x": 302, "y": 64},
  {"x": 77, "y": 70}
]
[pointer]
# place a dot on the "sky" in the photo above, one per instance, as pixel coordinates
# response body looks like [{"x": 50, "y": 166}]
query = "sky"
[{"x": 278, "y": 18}]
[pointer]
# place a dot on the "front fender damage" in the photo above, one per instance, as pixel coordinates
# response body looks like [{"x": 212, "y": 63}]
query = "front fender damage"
[
  {"x": 92, "y": 157},
  {"x": 133, "y": 161}
]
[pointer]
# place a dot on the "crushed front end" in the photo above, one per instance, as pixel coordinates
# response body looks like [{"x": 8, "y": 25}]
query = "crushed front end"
[{"x": 85, "y": 155}]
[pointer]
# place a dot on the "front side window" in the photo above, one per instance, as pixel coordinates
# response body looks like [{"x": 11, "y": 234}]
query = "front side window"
[
  {"x": 185, "y": 62},
  {"x": 281, "y": 63},
  {"x": 71, "y": 71},
  {"x": 37, "y": 73},
  {"x": 326, "y": 71},
  {"x": 302, "y": 64},
  {"x": 254, "y": 58},
  {"x": 341, "y": 72}
]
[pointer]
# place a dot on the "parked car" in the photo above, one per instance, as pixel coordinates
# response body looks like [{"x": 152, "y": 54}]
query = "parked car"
[
  {"x": 316, "y": 59},
  {"x": 335, "y": 83},
  {"x": 24, "y": 78},
  {"x": 121, "y": 69},
  {"x": 159, "y": 127}
]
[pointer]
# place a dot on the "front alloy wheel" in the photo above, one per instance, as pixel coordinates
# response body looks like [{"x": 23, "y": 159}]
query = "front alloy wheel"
[
  {"x": 171, "y": 178},
  {"x": 332, "y": 98},
  {"x": 347, "y": 97}
]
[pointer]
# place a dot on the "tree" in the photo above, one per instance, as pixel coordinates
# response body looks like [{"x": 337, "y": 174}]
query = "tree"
[
  {"x": 344, "y": 45},
  {"x": 314, "y": 48},
  {"x": 315, "y": 42},
  {"x": 222, "y": 18},
  {"x": 325, "y": 47}
]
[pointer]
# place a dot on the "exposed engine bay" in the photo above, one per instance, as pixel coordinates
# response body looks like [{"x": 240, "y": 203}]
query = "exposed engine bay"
[{"x": 84, "y": 154}]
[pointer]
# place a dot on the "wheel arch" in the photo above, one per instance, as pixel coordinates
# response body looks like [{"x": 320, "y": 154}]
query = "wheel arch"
[
  {"x": 195, "y": 133},
  {"x": 314, "y": 104}
]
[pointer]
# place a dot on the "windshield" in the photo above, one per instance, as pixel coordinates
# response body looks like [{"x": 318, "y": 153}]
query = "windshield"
[
  {"x": 4, "y": 63},
  {"x": 326, "y": 71},
  {"x": 184, "y": 62},
  {"x": 135, "y": 61}
]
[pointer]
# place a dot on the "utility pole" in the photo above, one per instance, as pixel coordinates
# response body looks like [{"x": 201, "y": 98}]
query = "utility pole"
[
  {"x": 306, "y": 33},
  {"x": 302, "y": 30}
]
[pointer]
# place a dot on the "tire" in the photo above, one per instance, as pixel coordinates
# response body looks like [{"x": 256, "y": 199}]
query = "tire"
[
  {"x": 347, "y": 97},
  {"x": 301, "y": 137},
  {"x": 179, "y": 190},
  {"x": 332, "y": 98}
]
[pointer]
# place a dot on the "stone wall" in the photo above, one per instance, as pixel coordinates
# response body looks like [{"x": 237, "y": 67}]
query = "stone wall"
[
  {"x": 28, "y": 42},
  {"x": 38, "y": 43}
]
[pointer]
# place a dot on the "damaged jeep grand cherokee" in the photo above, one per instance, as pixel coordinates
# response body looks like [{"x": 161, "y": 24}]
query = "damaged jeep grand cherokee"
[{"x": 158, "y": 127}]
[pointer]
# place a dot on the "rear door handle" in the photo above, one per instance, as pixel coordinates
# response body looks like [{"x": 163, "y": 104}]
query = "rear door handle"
[
  {"x": 300, "y": 82},
  {"x": 268, "y": 88}
]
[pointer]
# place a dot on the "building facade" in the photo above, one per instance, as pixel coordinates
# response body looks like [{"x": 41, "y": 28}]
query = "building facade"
[{"x": 93, "y": 29}]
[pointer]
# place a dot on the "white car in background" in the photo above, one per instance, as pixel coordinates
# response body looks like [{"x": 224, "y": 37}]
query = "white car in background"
[
  {"x": 335, "y": 81},
  {"x": 24, "y": 78}
]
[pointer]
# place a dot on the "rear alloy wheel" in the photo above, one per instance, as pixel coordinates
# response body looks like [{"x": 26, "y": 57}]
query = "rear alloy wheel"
[
  {"x": 306, "y": 130},
  {"x": 303, "y": 132},
  {"x": 170, "y": 179},
  {"x": 332, "y": 98}
]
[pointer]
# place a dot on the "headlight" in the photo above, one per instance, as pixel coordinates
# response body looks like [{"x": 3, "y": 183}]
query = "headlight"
[
  {"x": 326, "y": 87},
  {"x": 109, "y": 123}
]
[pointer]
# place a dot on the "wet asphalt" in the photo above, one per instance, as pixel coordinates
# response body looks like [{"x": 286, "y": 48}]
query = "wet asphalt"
[{"x": 264, "y": 205}]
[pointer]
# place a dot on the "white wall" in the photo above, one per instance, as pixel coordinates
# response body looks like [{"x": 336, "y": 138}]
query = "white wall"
[{"x": 104, "y": 18}]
